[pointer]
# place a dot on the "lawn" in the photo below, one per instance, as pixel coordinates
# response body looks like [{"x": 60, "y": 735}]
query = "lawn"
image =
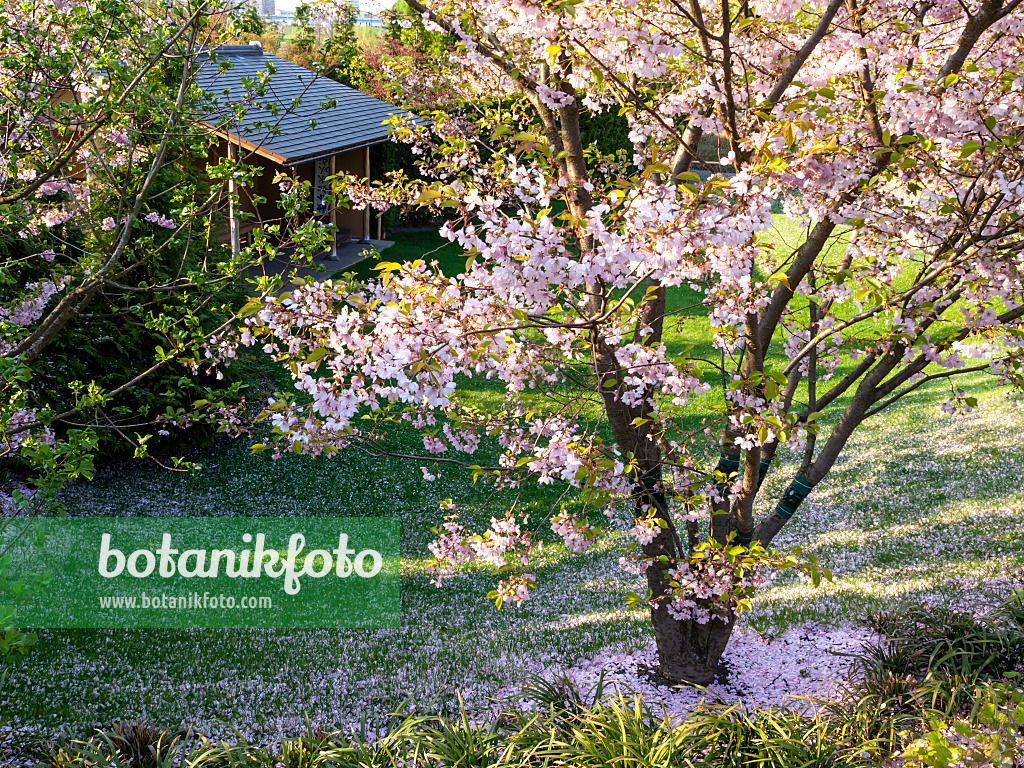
[{"x": 922, "y": 508}]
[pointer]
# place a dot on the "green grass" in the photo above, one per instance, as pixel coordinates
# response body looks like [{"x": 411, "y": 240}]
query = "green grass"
[
  {"x": 935, "y": 667},
  {"x": 410, "y": 245},
  {"x": 922, "y": 507}
]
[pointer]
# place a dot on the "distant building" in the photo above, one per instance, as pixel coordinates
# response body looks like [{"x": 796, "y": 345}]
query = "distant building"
[
  {"x": 264, "y": 8},
  {"x": 308, "y": 126}
]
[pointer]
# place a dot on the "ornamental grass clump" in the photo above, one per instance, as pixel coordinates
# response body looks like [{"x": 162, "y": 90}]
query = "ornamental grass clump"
[
  {"x": 877, "y": 710},
  {"x": 948, "y": 642},
  {"x": 619, "y": 731},
  {"x": 122, "y": 745},
  {"x": 936, "y": 667},
  {"x": 558, "y": 695},
  {"x": 942, "y": 689}
]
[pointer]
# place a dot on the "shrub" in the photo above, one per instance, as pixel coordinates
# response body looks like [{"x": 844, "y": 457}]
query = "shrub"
[{"x": 990, "y": 735}]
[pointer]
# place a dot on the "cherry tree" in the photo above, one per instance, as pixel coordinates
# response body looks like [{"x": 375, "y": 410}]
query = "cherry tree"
[{"x": 892, "y": 129}]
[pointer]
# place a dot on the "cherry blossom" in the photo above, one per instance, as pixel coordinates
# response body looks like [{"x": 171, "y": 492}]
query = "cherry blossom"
[{"x": 885, "y": 134}]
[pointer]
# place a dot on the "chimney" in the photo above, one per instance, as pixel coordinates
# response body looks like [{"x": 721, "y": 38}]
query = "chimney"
[{"x": 257, "y": 43}]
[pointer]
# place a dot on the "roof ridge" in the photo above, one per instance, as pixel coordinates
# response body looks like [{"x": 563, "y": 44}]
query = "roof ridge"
[
  {"x": 252, "y": 49},
  {"x": 287, "y": 121}
]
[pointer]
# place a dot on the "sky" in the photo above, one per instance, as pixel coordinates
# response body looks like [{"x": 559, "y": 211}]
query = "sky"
[{"x": 370, "y": 6}]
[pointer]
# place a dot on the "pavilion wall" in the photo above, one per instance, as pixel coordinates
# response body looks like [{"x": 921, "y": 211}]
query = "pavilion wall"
[{"x": 348, "y": 221}]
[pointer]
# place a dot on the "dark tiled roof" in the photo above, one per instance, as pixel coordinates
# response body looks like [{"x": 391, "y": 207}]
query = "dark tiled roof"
[{"x": 304, "y": 126}]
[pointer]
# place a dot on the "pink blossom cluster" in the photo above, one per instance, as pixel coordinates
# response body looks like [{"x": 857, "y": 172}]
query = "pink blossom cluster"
[
  {"x": 516, "y": 588},
  {"x": 718, "y": 581},
  {"x": 28, "y": 308},
  {"x": 504, "y": 543},
  {"x": 160, "y": 220},
  {"x": 646, "y": 528},
  {"x": 18, "y": 419},
  {"x": 575, "y": 533}
]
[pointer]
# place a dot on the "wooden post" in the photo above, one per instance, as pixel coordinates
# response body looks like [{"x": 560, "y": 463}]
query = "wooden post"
[
  {"x": 236, "y": 240},
  {"x": 334, "y": 214},
  {"x": 89, "y": 178},
  {"x": 366, "y": 211}
]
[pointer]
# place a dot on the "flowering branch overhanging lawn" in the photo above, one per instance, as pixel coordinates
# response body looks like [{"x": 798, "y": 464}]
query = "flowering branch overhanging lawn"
[{"x": 865, "y": 526}]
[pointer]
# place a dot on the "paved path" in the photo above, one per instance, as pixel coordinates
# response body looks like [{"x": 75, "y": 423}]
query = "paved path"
[{"x": 348, "y": 254}]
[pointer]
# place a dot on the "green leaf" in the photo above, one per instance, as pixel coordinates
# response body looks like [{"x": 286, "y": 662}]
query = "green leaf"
[
  {"x": 318, "y": 354},
  {"x": 426, "y": 196},
  {"x": 970, "y": 148},
  {"x": 250, "y": 308}
]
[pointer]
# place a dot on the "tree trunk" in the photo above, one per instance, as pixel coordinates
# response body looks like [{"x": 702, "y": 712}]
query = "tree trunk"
[{"x": 689, "y": 652}]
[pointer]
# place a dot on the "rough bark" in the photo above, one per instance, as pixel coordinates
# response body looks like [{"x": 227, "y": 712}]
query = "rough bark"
[{"x": 687, "y": 651}]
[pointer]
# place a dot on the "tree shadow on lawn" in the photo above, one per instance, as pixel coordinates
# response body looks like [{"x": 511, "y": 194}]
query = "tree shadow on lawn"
[
  {"x": 451, "y": 640},
  {"x": 922, "y": 506},
  {"x": 235, "y": 482}
]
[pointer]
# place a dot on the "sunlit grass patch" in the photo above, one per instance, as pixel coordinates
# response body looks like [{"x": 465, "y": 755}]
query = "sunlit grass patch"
[{"x": 922, "y": 507}]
